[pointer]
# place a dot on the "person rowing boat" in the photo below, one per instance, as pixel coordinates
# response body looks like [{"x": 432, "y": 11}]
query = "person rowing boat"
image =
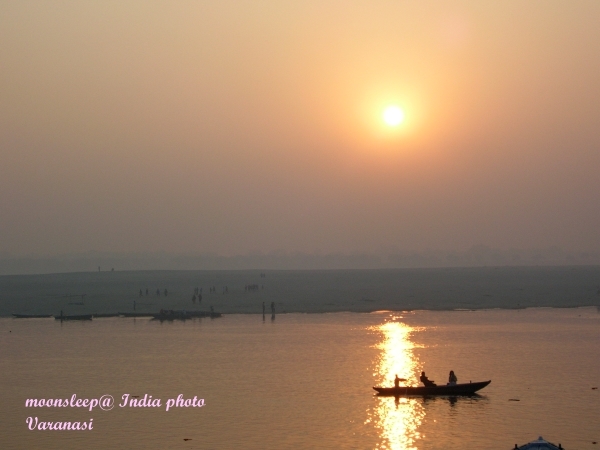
[{"x": 398, "y": 380}]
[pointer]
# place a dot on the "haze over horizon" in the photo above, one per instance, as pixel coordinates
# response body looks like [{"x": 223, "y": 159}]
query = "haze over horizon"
[{"x": 237, "y": 128}]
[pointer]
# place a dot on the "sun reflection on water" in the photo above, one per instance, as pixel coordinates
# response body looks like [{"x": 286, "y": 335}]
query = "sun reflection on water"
[{"x": 397, "y": 420}]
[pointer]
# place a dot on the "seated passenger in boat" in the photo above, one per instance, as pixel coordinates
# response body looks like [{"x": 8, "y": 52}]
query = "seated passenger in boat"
[
  {"x": 452, "y": 379},
  {"x": 426, "y": 381}
]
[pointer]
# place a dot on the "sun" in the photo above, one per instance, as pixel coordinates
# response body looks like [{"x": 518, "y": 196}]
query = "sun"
[{"x": 393, "y": 116}]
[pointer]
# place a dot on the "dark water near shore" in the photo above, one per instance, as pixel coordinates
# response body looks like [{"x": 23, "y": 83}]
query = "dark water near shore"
[{"x": 303, "y": 291}]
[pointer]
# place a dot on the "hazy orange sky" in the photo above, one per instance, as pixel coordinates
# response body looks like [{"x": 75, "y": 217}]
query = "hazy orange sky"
[{"x": 241, "y": 126}]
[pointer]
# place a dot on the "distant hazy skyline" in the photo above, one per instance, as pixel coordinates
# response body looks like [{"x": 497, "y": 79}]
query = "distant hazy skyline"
[{"x": 256, "y": 126}]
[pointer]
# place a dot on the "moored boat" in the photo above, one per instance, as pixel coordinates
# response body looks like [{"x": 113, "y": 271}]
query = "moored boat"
[
  {"x": 74, "y": 317},
  {"x": 31, "y": 316},
  {"x": 135, "y": 314},
  {"x": 447, "y": 389},
  {"x": 200, "y": 313},
  {"x": 539, "y": 444},
  {"x": 210, "y": 314},
  {"x": 169, "y": 314}
]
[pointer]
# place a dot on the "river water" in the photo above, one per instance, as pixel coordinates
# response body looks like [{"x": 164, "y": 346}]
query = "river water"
[{"x": 304, "y": 381}]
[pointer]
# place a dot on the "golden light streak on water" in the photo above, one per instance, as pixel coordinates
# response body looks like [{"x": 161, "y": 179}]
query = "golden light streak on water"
[{"x": 396, "y": 419}]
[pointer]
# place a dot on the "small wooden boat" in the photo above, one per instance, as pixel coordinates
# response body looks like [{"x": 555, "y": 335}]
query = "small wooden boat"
[
  {"x": 135, "y": 314},
  {"x": 210, "y": 314},
  {"x": 199, "y": 313},
  {"x": 171, "y": 315},
  {"x": 31, "y": 316},
  {"x": 539, "y": 444},
  {"x": 447, "y": 389},
  {"x": 78, "y": 317}
]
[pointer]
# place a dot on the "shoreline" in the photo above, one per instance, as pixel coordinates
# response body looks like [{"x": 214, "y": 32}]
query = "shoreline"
[
  {"x": 287, "y": 313},
  {"x": 315, "y": 291}
]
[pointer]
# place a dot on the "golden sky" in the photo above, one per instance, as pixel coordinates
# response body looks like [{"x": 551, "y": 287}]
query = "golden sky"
[{"x": 240, "y": 126}]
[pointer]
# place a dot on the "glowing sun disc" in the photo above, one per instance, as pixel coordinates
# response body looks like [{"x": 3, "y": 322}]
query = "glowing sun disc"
[{"x": 393, "y": 116}]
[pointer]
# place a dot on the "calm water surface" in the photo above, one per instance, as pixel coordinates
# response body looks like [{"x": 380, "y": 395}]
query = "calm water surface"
[{"x": 305, "y": 381}]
